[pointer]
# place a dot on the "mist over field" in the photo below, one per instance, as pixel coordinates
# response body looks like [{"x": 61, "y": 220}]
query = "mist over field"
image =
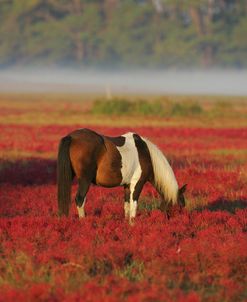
[{"x": 212, "y": 82}]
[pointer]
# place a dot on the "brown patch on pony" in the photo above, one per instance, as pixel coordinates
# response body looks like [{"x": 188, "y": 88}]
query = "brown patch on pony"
[
  {"x": 144, "y": 158},
  {"x": 146, "y": 165},
  {"x": 95, "y": 158},
  {"x": 85, "y": 148},
  {"x": 118, "y": 140},
  {"x": 109, "y": 165}
]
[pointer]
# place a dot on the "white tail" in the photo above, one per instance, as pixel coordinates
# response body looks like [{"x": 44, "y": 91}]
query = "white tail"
[{"x": 164, "y": 177}]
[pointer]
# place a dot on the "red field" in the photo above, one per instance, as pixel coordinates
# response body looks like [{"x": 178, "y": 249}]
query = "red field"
[{"x": 197, "y": 255}]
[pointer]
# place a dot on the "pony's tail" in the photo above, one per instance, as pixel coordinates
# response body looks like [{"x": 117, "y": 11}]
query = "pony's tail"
[{"x": 64, "y": 176}]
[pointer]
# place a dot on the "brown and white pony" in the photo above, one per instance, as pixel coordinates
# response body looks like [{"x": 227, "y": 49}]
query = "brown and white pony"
[{"x": 128, "y": 160}]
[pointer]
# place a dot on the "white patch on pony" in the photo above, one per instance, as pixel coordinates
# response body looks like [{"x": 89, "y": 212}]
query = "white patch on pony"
[
  {"x": 81, "y": 211},
  {"x": 126, "y": 209},
  {"x": 131, "y": 171},
  {"x": 131, "y": 168},
  {"x": 164, "y": 177}
]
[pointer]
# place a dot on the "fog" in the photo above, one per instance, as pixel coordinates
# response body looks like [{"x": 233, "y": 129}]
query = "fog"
[{"x": 217, "y": 82}]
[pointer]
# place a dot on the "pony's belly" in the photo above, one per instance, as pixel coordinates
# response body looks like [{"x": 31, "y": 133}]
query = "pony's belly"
[
  {"x": 107, "y": 178},
  {"x": 108, "y": 173}
]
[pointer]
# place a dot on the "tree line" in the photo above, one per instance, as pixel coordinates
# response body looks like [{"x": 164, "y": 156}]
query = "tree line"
[{"x": 117, "y": 33}]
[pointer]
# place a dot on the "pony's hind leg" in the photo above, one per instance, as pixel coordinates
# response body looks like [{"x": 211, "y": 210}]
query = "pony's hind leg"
[{"x": 80, "y": 198}]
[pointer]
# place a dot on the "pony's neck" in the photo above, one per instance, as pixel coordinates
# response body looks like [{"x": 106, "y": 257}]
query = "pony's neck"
[{"x": 164, "y": 178}]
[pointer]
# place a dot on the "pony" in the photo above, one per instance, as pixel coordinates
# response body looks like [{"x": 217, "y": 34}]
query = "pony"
[{"x": 128, "y": 160}]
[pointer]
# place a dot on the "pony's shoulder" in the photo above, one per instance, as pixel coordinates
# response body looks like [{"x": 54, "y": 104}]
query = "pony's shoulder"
[{"x": 128, "y": 134}]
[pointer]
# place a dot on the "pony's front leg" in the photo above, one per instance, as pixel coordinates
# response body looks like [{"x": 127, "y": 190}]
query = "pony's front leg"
[
  {"x": 135, "y": 191},
  {"x": 126, "y": 201},
  {"x": 129, "y": 205},
  {"x": 133, "y": 209},
  {"x": 126, "y": 209}
]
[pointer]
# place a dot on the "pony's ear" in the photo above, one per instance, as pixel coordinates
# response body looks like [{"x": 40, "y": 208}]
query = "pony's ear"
[{"x": 183, "y": 189}]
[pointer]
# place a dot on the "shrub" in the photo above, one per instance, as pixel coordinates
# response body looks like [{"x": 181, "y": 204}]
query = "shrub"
[
  {"x": 121, "y": 106},
  {"x": 185, "y": 109},
  {"x": 143, "y": 107},
  {"x": 114, "y": 106}
]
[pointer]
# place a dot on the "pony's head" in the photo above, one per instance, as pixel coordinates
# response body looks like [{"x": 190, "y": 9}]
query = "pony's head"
[{"x": 181, "y": 199}]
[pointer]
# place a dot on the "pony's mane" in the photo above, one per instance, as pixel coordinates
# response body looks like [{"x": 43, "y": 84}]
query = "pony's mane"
[{"x": 164, "y": 177}]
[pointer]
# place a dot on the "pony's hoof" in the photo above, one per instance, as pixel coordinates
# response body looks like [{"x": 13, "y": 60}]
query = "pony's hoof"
[{"x": 132, "y": 221}]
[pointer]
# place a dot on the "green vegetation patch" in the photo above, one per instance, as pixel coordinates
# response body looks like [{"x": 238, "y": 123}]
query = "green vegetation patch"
[
  {"x": 132, "y": 271},
  {"x": 148, "y": 204},
  {"x": 122, "y": 106},
  {"x": 183, "y": 109}
]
